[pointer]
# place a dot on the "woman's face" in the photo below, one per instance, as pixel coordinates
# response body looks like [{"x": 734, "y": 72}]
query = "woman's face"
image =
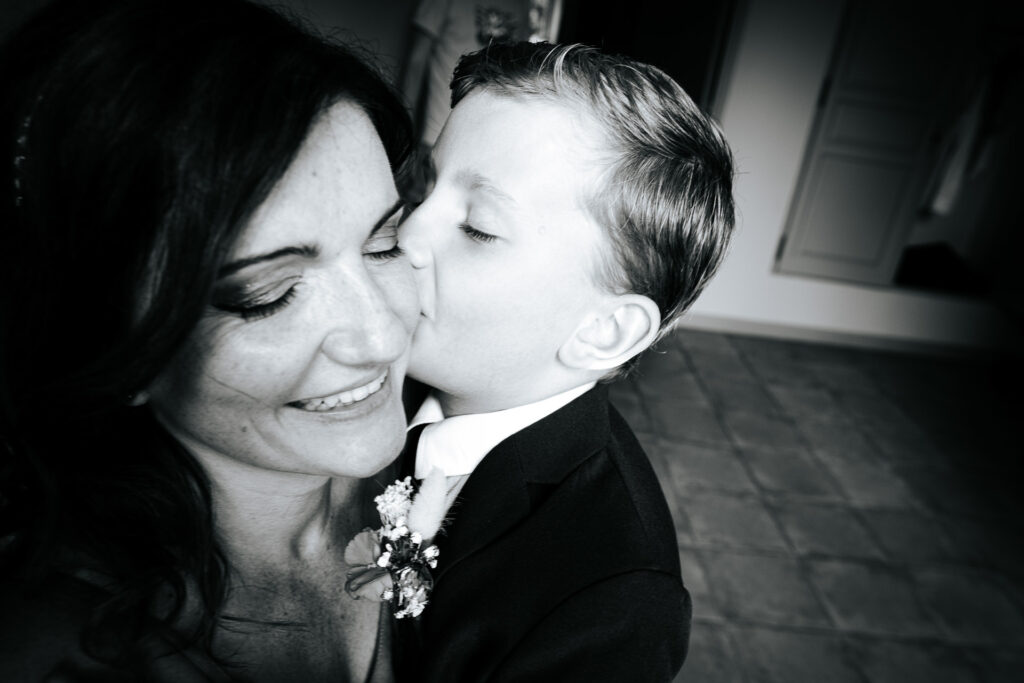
[{"x": 298, "y": 364}]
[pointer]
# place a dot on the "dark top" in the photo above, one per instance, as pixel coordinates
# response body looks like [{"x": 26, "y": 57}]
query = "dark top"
[
  {"x": 41, "y": 640},
  {"x": 559, "y": 563}
]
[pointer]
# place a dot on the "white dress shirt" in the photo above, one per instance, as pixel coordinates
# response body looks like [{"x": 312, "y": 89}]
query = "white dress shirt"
[{"x": 456, "y": 445}]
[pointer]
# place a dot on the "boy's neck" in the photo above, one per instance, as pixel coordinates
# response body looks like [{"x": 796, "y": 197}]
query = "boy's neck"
[{"x": 456, "y": 404}]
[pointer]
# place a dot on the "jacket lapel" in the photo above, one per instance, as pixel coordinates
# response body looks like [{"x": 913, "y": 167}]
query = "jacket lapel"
[
  {"x": 493, "y": 499},
  {"x": 503, "y": 488}
]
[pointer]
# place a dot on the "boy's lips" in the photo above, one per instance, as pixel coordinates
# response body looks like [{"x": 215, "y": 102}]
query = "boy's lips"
[{"x": 343, "y": 398}]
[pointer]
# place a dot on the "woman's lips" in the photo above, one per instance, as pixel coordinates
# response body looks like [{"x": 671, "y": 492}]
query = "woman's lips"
[{"x": 344, "y": 398}]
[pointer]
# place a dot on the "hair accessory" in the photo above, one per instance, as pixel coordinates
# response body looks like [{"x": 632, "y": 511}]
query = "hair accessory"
[{"x": 21, "y": 153}]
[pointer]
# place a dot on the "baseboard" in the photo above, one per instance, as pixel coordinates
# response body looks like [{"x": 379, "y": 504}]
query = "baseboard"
[{"x": 709, "y": 323}]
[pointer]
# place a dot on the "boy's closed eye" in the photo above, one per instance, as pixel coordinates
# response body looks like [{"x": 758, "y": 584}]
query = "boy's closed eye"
[{"x": 477, "y": 235}]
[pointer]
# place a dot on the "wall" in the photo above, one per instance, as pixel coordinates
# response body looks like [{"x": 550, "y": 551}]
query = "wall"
[
  {"x": 379, "y": 27},
  {"x": 766, "y": 108},
  {"x": 14, "y": 12}
]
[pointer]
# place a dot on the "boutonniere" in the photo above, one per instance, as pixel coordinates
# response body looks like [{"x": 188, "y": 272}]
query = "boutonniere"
[{"x": 393, "y": 562}]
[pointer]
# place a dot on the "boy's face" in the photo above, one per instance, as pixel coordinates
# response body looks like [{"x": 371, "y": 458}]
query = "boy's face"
[{"x": 504, "y": 253}]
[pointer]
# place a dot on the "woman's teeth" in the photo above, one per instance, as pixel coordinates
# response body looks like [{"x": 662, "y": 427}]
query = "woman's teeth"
[{"x": 345, "y": 398}]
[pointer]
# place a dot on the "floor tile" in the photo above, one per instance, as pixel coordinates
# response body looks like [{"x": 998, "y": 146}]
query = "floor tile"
[
  {"x": 869, "y": 407},
  {"x": 768, "y": 589},
  {"x": 625, "y": 396},
  {"x": 793, "y": 474},
  {"x": 909, "y": 536},
  {"x": 729, "y": 393},
  {"x": 836, "y": 439},
  {"x": 972, "y": 605},
  {"x": 712, "y": 657},
  {"x": 697, "y": 467},
  {"x": 664, "y": 359},
  {"x": 730, "y": 521},
  {"x": 807, "y": 402},
  {"x": 905, "y": 443},
  {"x": 1000, "y": 666},
  {"x": 675, "y": 387},
  {"x": 844, "y": 377},
  {"x": 696, "y": 581},
  {"x": 884, "y": 661},
  {"x": 827, "y": 530},
  {"x": 869, "y": 598},
  {"x": 785, "y": 372},
  {"x": 783, "y": 657},
  {"x": 762, "y": 432},
  {"x": 724, "y": 357},
  {"x": 765, "y": 348},
  {"x": 949, "y": 491},
  {"x": 972, "y": 541},
  {"x": 687, "y": 423},
  {"x": 709, "y": 342},
  {"x": 870, "y": 484}
]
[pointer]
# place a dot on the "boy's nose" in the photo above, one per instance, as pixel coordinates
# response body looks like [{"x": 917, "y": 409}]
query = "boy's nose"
[{"x": 414, "y": 240}]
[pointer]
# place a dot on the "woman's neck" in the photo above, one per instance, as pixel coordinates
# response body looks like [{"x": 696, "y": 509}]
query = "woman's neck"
[{"x": 267, "y": 519}]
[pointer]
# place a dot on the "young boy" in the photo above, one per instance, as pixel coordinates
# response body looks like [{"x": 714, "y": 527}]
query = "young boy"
[{"x": 581, "y": 202}]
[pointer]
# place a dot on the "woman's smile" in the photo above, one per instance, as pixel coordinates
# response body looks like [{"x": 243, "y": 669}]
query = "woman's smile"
[{"x": 343, "y": 399}]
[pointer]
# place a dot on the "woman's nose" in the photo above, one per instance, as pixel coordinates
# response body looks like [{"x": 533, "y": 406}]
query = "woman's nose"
[{"x": 366, "y": 331}]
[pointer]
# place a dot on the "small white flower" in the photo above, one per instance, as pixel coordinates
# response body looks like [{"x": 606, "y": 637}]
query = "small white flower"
[
  {"x": 384, "y": 559},
  {"x": 416, "y": 538},
  {"x": 398, "y": 532},
  {"x": 393, "y": 505},
  {"x": 430, "y": 552}
]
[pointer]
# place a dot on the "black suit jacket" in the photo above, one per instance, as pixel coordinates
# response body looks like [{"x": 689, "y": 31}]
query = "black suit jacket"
[{"x": 560, "y": 563}]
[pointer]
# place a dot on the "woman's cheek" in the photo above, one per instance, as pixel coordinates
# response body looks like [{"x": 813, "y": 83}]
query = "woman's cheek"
[{"x": 402, "y": 294}]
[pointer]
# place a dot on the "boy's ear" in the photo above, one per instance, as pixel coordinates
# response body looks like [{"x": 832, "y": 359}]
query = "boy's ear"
[{"x": 608, "y": 340}]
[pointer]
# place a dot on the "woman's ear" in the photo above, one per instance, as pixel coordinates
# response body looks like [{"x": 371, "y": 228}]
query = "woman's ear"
[{"x": 607, "y": 340}]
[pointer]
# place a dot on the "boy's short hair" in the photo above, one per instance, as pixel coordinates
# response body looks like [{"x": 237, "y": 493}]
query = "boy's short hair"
[{"x": 665, "y": 199}]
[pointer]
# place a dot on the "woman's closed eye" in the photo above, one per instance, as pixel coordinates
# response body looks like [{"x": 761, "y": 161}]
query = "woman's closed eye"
[
  {"x": 477, "y": 235},
  {"x": 385, "y": 253},
  {"x": 382, "y": 244},
  {"x": 257, "y": 303}
]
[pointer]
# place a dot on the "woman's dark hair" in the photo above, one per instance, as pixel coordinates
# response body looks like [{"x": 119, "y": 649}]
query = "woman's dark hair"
[{"x": 136, "y": 139}]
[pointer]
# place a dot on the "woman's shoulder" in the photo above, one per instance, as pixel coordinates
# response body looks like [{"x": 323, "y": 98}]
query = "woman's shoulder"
[
  {"x": 41, "y": 625},
  {"x": 41, "y": 638}
]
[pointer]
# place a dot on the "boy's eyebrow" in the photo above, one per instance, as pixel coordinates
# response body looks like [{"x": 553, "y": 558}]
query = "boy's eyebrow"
[
  {"x": 476, "y": 181},
  {"x": 304, "y": 250}
]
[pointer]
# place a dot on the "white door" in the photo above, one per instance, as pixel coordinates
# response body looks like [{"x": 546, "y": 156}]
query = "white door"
[{"x": 898, "y": 70}]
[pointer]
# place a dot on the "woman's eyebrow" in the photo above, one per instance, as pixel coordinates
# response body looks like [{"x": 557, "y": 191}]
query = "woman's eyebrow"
[
  {"x": 304, "y": 251},
  {"x": 397, "y": 206}
]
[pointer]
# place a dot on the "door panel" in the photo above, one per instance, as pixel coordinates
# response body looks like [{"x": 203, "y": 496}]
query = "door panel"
[
  {"x": 857, "y": 201},
  {"x": 873, "y": 146}
]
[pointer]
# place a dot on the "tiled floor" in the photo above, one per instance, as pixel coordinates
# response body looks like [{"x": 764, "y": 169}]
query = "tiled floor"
[{"x": 842, "y": 515}]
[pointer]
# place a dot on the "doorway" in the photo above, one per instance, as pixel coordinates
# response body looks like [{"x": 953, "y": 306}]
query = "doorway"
[{"x": 898, "y": 184}]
